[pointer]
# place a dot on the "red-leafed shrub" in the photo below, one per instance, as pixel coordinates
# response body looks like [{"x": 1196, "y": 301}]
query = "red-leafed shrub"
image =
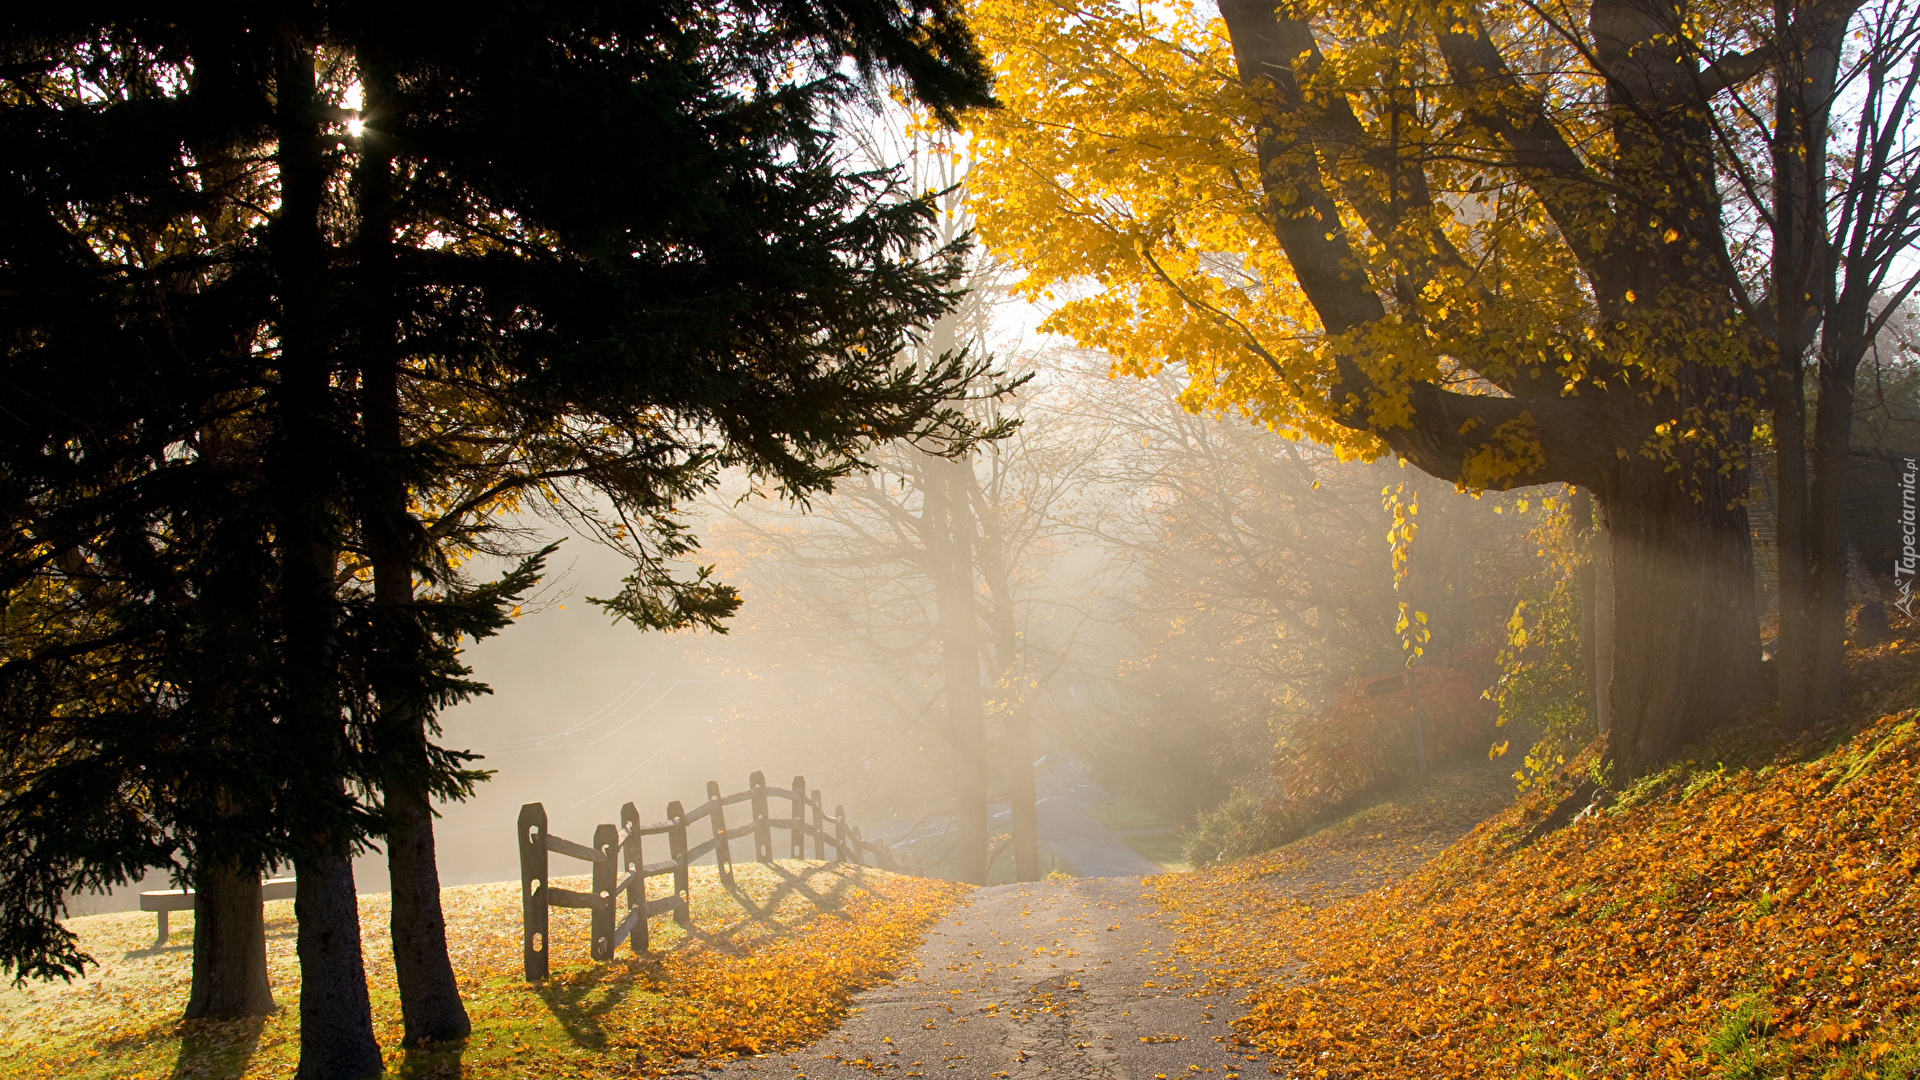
[
  {"x": 1362, "y": 744},
  {"x": 1370, "y": 738}
]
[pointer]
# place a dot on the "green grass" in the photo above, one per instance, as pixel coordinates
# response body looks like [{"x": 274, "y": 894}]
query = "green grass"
[
  {"x": 1121, "y": 814},
  {"x": 1735, "y": 1043},
  {"x": 1164, "y": 848},
  {"x": 122, "y": 1021},
  {"x": 1744, "y": 1045}
]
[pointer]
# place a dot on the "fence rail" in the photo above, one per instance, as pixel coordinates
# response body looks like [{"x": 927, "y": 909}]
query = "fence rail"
[{"x": 620, "y": 869}]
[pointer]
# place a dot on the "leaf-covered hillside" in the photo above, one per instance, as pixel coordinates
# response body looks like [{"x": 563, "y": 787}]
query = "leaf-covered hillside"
[{"x": 1748, "y": 913}]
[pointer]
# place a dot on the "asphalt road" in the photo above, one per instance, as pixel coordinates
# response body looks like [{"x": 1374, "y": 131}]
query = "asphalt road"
[
  {"x": 1092, "y": 849},
  {"x": 1054, "y": 979}
]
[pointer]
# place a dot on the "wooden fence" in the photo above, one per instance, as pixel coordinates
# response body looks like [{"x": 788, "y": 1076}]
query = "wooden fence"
[{"x": 617, "y": 851}]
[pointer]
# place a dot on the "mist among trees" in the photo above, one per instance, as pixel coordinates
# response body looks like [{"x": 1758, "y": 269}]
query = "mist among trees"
[{"x": 1238, "y": 414}]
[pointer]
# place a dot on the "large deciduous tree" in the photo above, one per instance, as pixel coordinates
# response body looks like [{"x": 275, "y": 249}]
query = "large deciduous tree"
[{"x": 1489, "y": 238}]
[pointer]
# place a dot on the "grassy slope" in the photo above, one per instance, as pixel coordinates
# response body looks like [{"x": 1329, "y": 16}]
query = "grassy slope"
[
  {"x": 774, "y": 977},
  {"x": 1143, "y": 829},
  {"x": 1751, "y": 912}
]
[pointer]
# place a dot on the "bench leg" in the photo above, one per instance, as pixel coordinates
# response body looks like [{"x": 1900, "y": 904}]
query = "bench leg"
[{"x": 160, "y": 942}]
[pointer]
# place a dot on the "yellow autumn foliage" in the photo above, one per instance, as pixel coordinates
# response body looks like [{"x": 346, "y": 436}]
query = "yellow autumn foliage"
[
  {"x": 744, "y": 982},
  {"x": 1760, "y": 919},
  {"x": 1122, "y": 178}
]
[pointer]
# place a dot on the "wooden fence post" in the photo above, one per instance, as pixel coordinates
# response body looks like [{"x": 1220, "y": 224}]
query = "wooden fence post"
[
  {"x": 618, "y": 850},
  {"x": 799, "y": 828},
  {"x": 632, "y": 856},
  {"x": 533, "y": 891},
  {"x": 762, "y": 828},
  {"x": 677, "y": 851},
  {"x": 722, "y": 848},
  {"x": 606, "y": 875}
]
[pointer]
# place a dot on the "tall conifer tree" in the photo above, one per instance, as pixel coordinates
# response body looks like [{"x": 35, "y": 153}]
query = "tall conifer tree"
[{"x": 564, "y": 249}]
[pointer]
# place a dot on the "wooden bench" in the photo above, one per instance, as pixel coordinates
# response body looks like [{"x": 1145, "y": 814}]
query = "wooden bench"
[{"x": 161, "y": 901}]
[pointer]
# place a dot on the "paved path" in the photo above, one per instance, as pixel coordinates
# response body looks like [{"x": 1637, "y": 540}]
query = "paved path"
[
  {"x": 1091, "y": 848},
  {"x": 1054, "y": 979}
]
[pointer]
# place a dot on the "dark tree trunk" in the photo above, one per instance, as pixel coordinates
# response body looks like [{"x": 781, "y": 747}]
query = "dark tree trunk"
[
  {"x": 336, "y": 1029},
  {"x": 1686, "y": 646},
  {"x": 1803, "y": 275},
  {"x": 336, "y": 1019},
  {"x": 430, "y": 1004},
  {"x": 1603, "y": 627},
  {"x": 229, "y": 945},
  {"x": 1793, "y": 649},
  {"x": 1794, "y": 243},
  {"x": 1849, "y": 290},
  {"x": 1460, "y": 584},
  {"x": 1843, "y": 343},
  {"x": 1586, "y": 576},
  {"x": 1827, "y": 535}
]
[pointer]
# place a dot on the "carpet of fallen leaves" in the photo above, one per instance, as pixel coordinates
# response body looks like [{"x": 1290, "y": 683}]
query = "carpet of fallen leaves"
[
  {"x": 1715, "y": 920},
  {"x": 770, "y": 964}
]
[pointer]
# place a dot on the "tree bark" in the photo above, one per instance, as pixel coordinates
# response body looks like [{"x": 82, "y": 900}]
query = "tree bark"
[
  {"x": 1844, "y": 339},
  {"x": 1603, "y": 624},
  {"x": 1850, "y": 288},
  {"x": 1803, "y": 275},
  {"x": 1792, "y": 651},
  {"x": 1586, "y": 575},
  {"x": 336, "y": 1027},
  {"x": 1686, "y": 649},
  {"x": 229, "y": 945},
  {"x": 1827, "y": 535},
  {"x": 336, "y": 1019},
  {"x": 1795, "y": 243},
  {"x": 430, "y": 1005}
]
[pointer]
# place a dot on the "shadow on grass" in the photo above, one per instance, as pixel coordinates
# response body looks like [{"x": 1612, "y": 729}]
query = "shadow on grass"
[
  {"x": 217, "y": 1049},
  {"x": 158, "y": 950},
  {"x": 764, "y": 915},
  {"x": 181, "y": 941},
  {"x": 580, "y": 998},
  {"x": 579, "y": 1004},
  {"x": 433, "y": 1062}
]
